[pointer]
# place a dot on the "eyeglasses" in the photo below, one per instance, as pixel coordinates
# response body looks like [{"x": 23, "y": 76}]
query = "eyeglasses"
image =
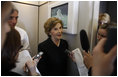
[{"x": 102, "y": 22}]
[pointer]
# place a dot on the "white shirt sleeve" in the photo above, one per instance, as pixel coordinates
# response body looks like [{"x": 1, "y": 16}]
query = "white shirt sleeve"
[
  {"x": 25, "y": 41},
  {"x": 24, "y": 38}
]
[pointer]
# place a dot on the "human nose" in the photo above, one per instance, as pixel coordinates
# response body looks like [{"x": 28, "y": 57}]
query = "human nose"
[
  {"x": 99, "y": 37},
  {"x": 60, "y": 30},
  {"x": 14, "y": 20}
]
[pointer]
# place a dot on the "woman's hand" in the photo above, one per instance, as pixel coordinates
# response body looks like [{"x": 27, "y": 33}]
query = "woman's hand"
[
  {"x": 71, "y": 55},
  {"x": 88, "y": 59},
  {"x": 102, "y": 62},
  {"x": 30, "y": 67}
]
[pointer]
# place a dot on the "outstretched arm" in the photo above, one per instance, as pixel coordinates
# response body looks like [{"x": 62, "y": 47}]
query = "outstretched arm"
[{"x": 102, "y": 62}]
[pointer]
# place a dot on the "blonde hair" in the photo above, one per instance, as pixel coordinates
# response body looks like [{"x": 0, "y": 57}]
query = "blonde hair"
[
  {"x": 51, "y": 23},
  {"x": 104, "y": 17}
]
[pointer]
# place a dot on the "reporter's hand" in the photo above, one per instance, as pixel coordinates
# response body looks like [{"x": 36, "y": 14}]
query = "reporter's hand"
[
  {"x": 88, "y": 59},
  {"x": 31, "y": 67},
  {"x": 36, "y": 60},
  {"x": 71, "y": 55},
  {"x": 103, "y": 63}
]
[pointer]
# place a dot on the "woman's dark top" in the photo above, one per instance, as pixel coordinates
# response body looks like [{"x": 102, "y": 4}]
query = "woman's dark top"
[
  {"x": 54, "y": 59},
  {"x": 9, "y": 73}
]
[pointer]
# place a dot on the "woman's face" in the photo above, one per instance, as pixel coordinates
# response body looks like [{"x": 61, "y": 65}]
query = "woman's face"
[
  {"x": 56, "y": 32},
  {"x": 102, "y": 33}
]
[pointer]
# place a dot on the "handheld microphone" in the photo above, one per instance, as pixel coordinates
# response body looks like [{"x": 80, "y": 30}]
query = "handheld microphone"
[{"x": 84, "y": 40}]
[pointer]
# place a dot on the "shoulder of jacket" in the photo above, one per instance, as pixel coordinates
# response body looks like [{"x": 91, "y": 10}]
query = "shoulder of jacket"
[{"x": 44, "y": 43}]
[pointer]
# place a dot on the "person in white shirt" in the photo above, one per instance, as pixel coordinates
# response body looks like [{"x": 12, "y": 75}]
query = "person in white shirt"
[
  {"x": 24, "y": 37},
  {"x": 24, "y": 56}
]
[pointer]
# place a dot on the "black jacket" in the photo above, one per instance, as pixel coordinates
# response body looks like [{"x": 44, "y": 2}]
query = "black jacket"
[
  {"x": 54, "y": 59},
  {"x": 9, "y": 73}
]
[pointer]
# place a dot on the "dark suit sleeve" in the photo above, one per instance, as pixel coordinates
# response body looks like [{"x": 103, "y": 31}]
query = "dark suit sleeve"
[
  {"x": 42, "y": 64},
  {"x": 65, "y": 44},
  {"x": 39, "y": 48}
]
